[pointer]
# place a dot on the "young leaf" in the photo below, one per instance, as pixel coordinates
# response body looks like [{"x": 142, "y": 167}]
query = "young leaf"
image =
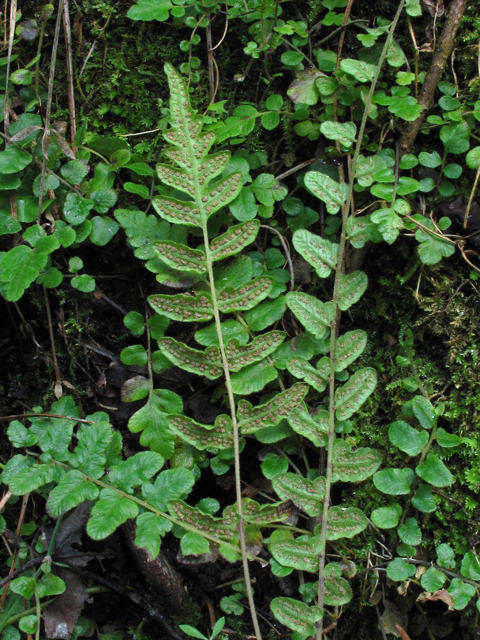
[
  {"x": 434, "y": 472},
  {"x": 331, "y": 192},
  {"x": 305, "y": 494},
  {"x": 320, "y": 253},
  {"x": 296, "y": 615},
  {"x": 353, "y": 394},
  {"x": 406, "y": 438},
  {"x": 206, "y": 363},
  {"x": 70, "y": 492},
  {"x": 111, "y": 510}
]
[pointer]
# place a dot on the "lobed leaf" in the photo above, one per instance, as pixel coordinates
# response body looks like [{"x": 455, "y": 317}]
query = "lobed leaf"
[
  {"x": 150, "y": 530},
  {"x": 262, "y": 515},
  {"x": 70, "y": 492},
  {"x": 109, "y": 512},
  {"x": 206, "y": 363},
  {"x": 218, "y": 435},
  {"x": 177, "y": 211},
  {"x": 252, "y": 419},
  {"x": 337, "y": 591},
  {"x": 221, "y": 528},
  {"x": 240, "y": 356}
]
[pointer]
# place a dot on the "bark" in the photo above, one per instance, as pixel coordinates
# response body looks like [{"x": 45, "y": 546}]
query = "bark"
[
  {"x": 159, "y": 573},
  {"x": 443, "y": 51}
]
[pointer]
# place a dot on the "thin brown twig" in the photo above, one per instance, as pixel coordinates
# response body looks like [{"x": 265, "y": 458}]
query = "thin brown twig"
[
  {"x": 69, "y": 66},
  {"x": 58, "y": 377},
  {"x": 287, "y": 253}
]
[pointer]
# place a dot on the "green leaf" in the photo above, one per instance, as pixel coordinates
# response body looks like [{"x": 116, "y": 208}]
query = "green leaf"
[
  {"x": 434, "y": 472},
  {"x": 461, "y": 593},
  {"x": 14, "y": 159},
  {"x": 76, "y": 209},
  {"x": 389, "y": 223},
  {"x": 50, "y": 585},
  {"x": 111, "y": 511},
  {"x": 244, "y": 207},
  {"x": 83, "y": 283},
  {"x": 432, "y": 248},
  {"x": 320, "y": 253},
  {"x": 265, "y": 314},
  {"x": 191, "y": 631},
  {"x": 331, "y": 192},
  {"x": 362, "y": 71},
  {"x": 445, "y": 556},
  {"x": 304, "y": 89},
  {"x": 90, "y": 454},
  {"x": 134, "y": 471},
  {"x": 316, "y": 316},
  {"x": 251, "y": 419},
  {"x": 24, "y": 586},
  {"x": 351, "y": 287},
  {"x": 345, "y": 522},
  {"x": 305, "y": 494},
  {"x": 433, "y": 579},
  {"x": 410, "y": 532},
  {"x": 337, "y": 590},
  {"x": 406, "y": 438},
  {"x": 230, "y": 329},
  {"x": 291, "y": 58},
  {"x": 172, "y": 484},
  {"x": 20, "y": 436},
  {"x": 386, "y": 517},
  {"x": 301, "y": 554},
  {"x": 8, "y": 225},
  {"x": 150, "y": 10},
  {"x": 28, "y": 624},
  {"x": 367, "y": 167},
  {"x": 152, "y": 421},
  {"x": 317, "y": 378},
  {"x": 135, "y": 322},
  {"x": 354, "y": 466},
  {"x": 217, "y": 436},
  {"x": 430, "y": 160},
  {"x": 268, "y": 190},
  {"x": 398, "y": 570},
  {"x": 394, "y": 482},
  {"x": 348, "y": 348},
  {"x": 149, "y": 532},
  {"x": 134, "y": 355},
  {"x": 414, "y": 9},
  {"x": 74, "y": 171},
  {"x": 455, "y": 137},
  {"x": 70, "y": 492},
  {"x": 353, "y": 394},
  {"x": 446, "y": 439},
  {"x": 193, "y": 544},
  {"x": 423, "y": 499},
  {"x": 253, "y": 378},
  {"x": 344, "y": 132},
  {"x": 296, "y": 615},
  {"x": 424, "y": 412},
  {"x": 473, "y": 158},
  {"x": 21, "y": 266},
  {"x": 274, "y": 465},
  {"x": 470, "y": 566},
  {"x": 52, "y": 278}
]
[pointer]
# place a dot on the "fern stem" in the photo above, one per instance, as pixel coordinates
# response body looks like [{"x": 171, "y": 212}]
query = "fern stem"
[{"x": 339, "y": 270}]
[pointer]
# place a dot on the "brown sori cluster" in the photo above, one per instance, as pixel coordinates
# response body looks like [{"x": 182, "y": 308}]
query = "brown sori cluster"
[
  {"x": 239, "y": 356},
  {"x": 348, "y": 347},
  {"x": 269, "y": 414},
  {"x": 354, "y": 392},
  {"x": 216, "y": 527},
  {"x": 181, "y": 256},
  {"x": 183, "y": 307},
  {"x": 206, "y": 363},
  {"x": 201, "y": 436},
  {"x": 177, "y": 211},
  {"x": 246, "y": 297},
  {"x": 304, "y": 371},
  {"x": 234, "y": 240}
]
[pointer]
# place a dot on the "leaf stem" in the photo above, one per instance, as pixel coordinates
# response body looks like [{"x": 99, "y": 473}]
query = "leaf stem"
[{"x": 338, "y": 273}]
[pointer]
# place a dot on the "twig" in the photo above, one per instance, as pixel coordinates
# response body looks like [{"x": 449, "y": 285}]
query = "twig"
[
  {"x": 58, "y": 377},
  {"x": 18, "y": 572},
  {"x": 287, "y": 254},
  {"x": 90, "y": 51},
  {"x": 68, "y": 51}
]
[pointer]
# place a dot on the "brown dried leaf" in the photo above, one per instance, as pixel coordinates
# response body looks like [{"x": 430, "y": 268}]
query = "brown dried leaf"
[
  {"x": 435, "y": 8},
  {"x": 61, "y": 615},
  {"x": 392, "y": 618},
  {"x": 442, "y": 595}
]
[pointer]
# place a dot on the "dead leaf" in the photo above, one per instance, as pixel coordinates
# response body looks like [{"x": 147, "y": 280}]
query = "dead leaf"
[
  {"x": 442, "y": 595},
  {"x": 435, "y": 8},
  {"x": 392, "y": 617},
  {"x": 61, "y": 615}
]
